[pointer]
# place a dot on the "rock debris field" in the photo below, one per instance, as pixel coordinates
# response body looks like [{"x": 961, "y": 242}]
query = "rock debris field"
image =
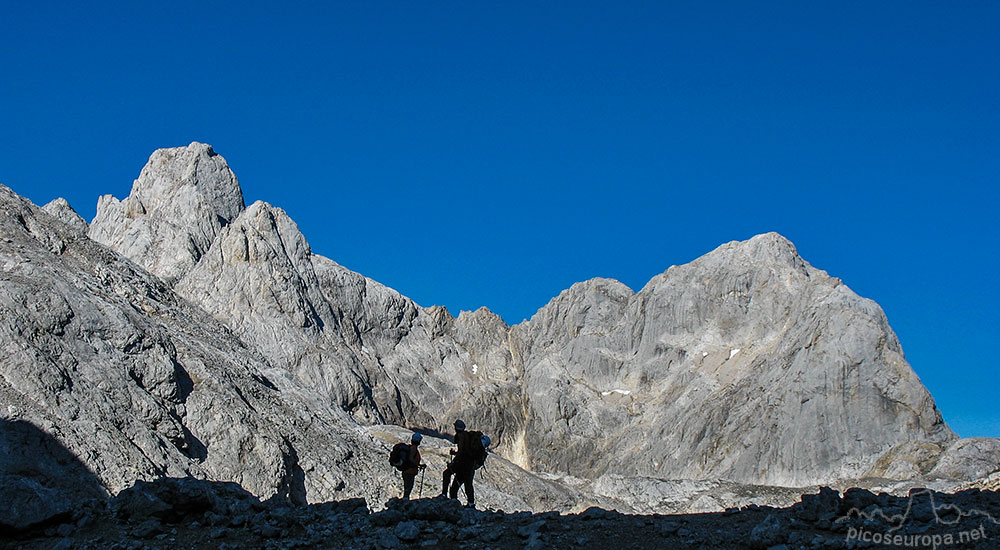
[{"x": 187, "y": 513}]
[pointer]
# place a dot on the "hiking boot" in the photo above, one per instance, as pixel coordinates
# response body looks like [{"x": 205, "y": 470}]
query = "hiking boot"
[{"x": 470, "y": 504}]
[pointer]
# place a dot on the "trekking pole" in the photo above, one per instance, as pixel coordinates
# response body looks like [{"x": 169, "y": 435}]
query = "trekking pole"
[{"x": 420, "y": 491}]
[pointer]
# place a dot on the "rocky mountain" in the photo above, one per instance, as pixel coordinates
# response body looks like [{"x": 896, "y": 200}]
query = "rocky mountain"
[
  {"x": 124, "y": 379},
  {"x": 181, "y": 200},
  {"x": 746, "y": 364},
  {"x": 184, "y": 333}
]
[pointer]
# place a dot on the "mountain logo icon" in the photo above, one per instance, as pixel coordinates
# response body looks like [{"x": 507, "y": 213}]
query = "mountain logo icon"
[{"x": 921, "y": 507}]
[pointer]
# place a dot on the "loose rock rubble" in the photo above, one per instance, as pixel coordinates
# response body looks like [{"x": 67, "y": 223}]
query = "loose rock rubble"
[{"x": 189, "y": 513}]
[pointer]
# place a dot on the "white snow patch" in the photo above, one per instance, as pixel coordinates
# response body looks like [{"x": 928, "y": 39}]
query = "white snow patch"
[
  {"x": 704, "y": 354},
  {"x": 623, "y": 392},
  {"x": 475, "y": 368},
  {"x": 733, "y": 352}
]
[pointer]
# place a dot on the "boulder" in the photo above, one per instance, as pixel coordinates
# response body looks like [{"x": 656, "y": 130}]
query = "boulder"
[{"x": 28, "y": 503}]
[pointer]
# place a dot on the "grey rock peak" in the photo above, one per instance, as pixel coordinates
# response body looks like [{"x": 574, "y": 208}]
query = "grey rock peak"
[
  {"x": 745, "y": 364},
  {"x": 61, "y": 210},
  {"x": 183, "y": 197},
  {"x": 258, "y": 278}
]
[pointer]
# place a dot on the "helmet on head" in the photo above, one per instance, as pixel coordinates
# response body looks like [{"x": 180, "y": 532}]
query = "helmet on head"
[
  {"x": 416, "y": 438},
  {"x": 486, "y": 441},
  {"x": 459, "y": 425}
]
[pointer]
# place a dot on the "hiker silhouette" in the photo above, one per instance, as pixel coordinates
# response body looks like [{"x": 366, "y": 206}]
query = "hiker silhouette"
[
  {"x": 406, "y": 458},
  {"x": 470, "y": 455}
]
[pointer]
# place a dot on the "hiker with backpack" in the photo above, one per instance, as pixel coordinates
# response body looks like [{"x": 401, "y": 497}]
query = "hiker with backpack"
[
  {"x": 471, "y": 455},
  {"x": 406, "y": 458}
]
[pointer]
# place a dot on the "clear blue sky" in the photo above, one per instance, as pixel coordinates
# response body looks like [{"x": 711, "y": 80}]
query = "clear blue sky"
[{"x": 472, "y": 153}]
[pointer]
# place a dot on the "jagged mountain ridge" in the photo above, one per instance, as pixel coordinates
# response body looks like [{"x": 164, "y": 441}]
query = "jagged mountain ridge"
[
  {"x": 593, "y": 385},
  {"x": 135, "y": 380},
  {"x": 604, "y": 365},
  {"x": 114, "y": 369}
]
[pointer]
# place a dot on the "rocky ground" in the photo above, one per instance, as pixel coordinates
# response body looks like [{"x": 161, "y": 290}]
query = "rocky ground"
[{"x": 188, "y": 513}]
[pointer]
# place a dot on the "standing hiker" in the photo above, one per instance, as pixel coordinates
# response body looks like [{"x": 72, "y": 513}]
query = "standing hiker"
[
  {"x": 471, "y": 455},
  {"x": 406, "y": 458}
]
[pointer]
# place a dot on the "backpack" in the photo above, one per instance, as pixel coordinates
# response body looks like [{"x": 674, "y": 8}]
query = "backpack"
[
  {"x": 476, "y": 448},
  {"x": 397, "y": 458}
]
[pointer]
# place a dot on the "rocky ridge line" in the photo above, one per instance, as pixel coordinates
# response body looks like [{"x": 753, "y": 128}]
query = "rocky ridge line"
[
  {"x": 747, "y": 364},
  {"x": 254, "y": 360},
  {"x": 109, "y": 377}
]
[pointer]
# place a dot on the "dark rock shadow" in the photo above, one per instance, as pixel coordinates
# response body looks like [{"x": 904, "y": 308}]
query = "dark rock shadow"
[
  {"x": 294, "y": 485},
  {"x": 193, "y": 447},
  {"x": 185, "y": 385},
  {"x": 41, "y": 481}
]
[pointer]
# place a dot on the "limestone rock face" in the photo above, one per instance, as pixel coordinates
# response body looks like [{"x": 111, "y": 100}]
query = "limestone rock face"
[
  {"x": 108, "y": 377},
  {"x": 183, "y": 197},
  {"x": 137, "y": 383},
  {"x": 61, "y": 210},
  {"x": 968, "y": 458},
  {"x": 686, "y": 379},
  {"x": 972, "y": 462},
  {"x": 424, "y": 367},
  {"x": 258, "y": 278},
  {"x": 747, "y": 364}
]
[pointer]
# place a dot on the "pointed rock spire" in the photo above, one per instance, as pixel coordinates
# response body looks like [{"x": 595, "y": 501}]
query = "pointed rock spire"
[
  {"x": 62, "y": 211},
  {"x": 183, "y": 197}
]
